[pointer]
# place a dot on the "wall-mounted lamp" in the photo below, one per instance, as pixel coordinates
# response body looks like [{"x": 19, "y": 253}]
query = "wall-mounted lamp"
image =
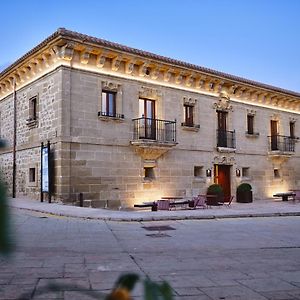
[
  {"x": 208, "y": 172},
  {"x": 238, "y": 172}
]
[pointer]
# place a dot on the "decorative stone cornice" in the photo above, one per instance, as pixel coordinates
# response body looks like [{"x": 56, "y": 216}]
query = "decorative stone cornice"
[
  {"x": 97, "y": 55},
  {"x": 110, "y": 86},
  {"x": 150, "y": 93},
  {"x": 223, "y": 103}
]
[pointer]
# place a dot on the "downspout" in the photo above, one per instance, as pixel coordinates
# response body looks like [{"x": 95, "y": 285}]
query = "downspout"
[{"x": 14, "y": 140}]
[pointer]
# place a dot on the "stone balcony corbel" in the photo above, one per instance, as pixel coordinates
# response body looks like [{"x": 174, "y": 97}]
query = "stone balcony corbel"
[
  {"x": 168, "y": 74},
  {"x": 67, "y": 51},
  {"x": 190, "y": 79},
  {"x": 179, "y": 78},
  {"x": 116, "y": 63},
  {"x": 155, "y": 72},
  {"x": 129, "y": 66},
  {"x": 45, "y": 60},
  {"x": 210, "y": 84},
  {"x": 101, "y": 59},
  {"x": 39, "y": 64},
  {"x": 219, "y": 86},
  {"x": 144, "y": 69},
  {"x": 200, "y": 82},
  {"x": 85, "y": 56}
]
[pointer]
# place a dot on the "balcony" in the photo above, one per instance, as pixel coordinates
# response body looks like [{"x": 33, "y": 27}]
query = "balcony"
[
  {"x": 281, "y": 147},
  {"x": 225, "y": 140},
  {"x": 153, "y": 137},
  {"x": 281, "y": 143}
]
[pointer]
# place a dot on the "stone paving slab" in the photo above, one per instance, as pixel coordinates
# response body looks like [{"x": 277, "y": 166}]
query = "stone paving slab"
[{"x": 258, "y": 208}]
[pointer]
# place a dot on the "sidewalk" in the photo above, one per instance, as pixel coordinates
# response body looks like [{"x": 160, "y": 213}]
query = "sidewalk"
[{"x": 259, "y": 208}]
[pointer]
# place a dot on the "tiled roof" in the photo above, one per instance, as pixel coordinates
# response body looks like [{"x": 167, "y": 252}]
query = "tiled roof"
[{"x": 83, "y": 38}]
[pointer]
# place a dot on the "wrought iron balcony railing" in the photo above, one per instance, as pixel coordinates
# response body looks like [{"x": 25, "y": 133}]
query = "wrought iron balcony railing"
[
  {"x": 111, "y": 115},
  {"x": 154, "y": 129},
  {"x": 281, "y": 143},
  {"x": 225, "y": 138}
]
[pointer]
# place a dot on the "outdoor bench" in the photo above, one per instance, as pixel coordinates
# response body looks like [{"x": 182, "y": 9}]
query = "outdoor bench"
[{"x": 285, "y": 196}]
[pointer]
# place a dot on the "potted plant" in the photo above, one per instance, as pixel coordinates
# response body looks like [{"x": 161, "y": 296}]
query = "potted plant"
[
  {"x": 244, "y": 193},
  {"x": 216, "y": 190}
]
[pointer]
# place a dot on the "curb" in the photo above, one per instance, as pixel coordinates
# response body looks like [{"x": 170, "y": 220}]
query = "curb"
[{"x": 164, "y": 218}]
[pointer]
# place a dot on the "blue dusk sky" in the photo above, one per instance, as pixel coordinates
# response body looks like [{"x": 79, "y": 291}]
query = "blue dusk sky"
[{"x": 254, "y": 39}]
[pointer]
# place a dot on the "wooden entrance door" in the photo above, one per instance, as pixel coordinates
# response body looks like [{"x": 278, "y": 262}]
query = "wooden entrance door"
[{"x": 222, "y": 177}]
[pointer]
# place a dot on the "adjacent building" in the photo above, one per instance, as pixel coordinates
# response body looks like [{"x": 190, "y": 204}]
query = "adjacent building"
[{"x": 126, "y": 126}]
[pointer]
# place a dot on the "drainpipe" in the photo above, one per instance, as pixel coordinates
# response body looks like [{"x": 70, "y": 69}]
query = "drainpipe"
[{"x": 14, "y": 140}]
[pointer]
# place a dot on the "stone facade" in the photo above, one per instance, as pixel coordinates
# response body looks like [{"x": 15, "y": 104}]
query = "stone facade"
[{"x": 105, "y": 157}]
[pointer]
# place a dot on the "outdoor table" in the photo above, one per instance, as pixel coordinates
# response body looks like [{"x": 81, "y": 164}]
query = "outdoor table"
[
  {"x": 152, "y": 204},
  {"x": 285, "y": 196}
]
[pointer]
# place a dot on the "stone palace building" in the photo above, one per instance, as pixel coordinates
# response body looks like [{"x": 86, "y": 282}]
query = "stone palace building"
[{"x": 126, "y": 125}]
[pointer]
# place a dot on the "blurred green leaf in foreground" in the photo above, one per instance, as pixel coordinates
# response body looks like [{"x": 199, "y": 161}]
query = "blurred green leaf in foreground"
[{"x": 5, "y": 237}]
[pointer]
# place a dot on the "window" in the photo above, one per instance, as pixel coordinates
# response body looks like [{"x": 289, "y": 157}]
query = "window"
[
  {"x": 32, "y": 109},
  {"x": 149, "y": 173},
  {"x": 198, "y": 171},
  {"x": 245, "y": 172},
  {"x": 188, "y": 115},
  {"x": 31, "y": 175},
  {"x": 276, "y": 173},
  {"x": 108, "y": 104},
  {"x": 250, "y": 124},
  {"x": 292, "y": 130}
]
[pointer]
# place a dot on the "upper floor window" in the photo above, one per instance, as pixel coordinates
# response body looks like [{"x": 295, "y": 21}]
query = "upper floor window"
[
  {"x": 33, "y": 112},
  {"x": 250, "y": 124},
  {"x": 292, "y": 130},
  {"x": 108, "y": 107},
  {"x": 188, "y": 115},
  {"x": 32, "y": 109}
]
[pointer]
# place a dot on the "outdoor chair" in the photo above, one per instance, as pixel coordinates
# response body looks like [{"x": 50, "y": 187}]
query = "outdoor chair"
[
  {"x": 198, "y": 201},
  {"x": 297, "y": 195},
  {"x": 227, "y": 200},
  {"x": 163, "y": 205}
]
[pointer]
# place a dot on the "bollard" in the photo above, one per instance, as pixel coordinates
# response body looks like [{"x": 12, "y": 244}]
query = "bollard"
[{"x": 80, "y": 199}]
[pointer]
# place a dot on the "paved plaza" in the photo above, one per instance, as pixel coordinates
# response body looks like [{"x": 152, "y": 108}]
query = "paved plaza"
[{"x": 230, "y": 258}]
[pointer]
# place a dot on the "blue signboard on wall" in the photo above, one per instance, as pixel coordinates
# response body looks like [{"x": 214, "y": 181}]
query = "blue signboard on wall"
[{"x": 45, "y": 170}]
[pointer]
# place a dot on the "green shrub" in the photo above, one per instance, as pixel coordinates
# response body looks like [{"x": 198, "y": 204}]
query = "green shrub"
[
  {"x": 215, "y": 189},
  {"x": 244, "y": 187}
]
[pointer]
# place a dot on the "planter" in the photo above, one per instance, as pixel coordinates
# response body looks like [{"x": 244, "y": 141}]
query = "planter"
[{"x": 244, "y": 197}]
